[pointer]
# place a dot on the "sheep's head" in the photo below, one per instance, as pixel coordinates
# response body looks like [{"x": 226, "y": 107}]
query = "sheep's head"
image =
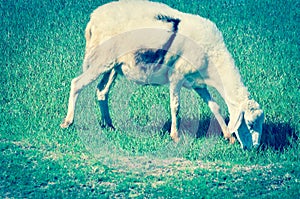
[{"x": 248, "y": 125}]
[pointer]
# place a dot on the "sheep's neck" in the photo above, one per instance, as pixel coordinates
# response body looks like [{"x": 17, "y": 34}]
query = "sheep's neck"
[{"x": 230, "y": 84}]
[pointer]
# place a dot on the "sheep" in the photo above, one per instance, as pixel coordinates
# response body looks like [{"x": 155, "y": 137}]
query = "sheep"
[{"x": 153, "y": 44}]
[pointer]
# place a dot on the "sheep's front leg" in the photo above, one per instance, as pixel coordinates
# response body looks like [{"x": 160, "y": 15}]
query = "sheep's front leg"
[
  {"x": 175, "y": 106},
  {"x": 102, "y": 95},
  {"x": 214, "y": 107}
]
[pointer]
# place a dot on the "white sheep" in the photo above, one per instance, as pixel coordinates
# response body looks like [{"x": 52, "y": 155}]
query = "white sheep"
[{"x": 151, "y": 43}]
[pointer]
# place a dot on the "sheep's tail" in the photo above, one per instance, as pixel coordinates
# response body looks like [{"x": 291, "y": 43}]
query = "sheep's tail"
[
  {"x": 92, "y": 52},
  {"x": 88, "y": 36},
  {"x": 88, "y": 32}
]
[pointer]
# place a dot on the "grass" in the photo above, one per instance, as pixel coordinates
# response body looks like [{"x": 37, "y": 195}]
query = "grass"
[{"x": 42, "y": 47}]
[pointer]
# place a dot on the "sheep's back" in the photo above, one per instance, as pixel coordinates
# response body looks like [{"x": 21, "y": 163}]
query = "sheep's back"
[{"x": 116, "y": 18}]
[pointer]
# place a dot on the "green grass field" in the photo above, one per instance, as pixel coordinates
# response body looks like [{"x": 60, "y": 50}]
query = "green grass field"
[{"x": 42, "y": 47}]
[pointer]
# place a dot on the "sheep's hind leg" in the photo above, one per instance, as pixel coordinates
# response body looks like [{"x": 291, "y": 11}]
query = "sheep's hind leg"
[
  {"x": 214, "y": 107},
  {"x": 77, "y": 84},
  {"x": 102, "y": 95}
]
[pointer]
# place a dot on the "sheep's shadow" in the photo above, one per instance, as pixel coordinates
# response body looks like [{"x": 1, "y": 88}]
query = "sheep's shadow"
[
  {"x": 276, "y": 136},
  {"x": 207, "y": 127}
]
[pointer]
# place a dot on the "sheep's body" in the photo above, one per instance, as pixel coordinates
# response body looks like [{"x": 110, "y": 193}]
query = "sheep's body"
[{"x": 151, "y": 43}]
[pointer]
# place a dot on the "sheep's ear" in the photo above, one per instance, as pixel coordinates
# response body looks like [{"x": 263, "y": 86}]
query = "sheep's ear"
[{"x": 236, "y": 122}]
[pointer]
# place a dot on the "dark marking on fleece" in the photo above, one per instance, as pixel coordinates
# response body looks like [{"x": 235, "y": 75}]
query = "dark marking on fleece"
[
  {"x": 169, "y": 19},
  {"x": 151, "y": 58}
]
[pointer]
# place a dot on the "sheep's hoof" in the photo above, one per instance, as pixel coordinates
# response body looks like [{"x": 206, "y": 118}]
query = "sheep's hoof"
[
  {"x": 110, "y": 128},
  {"x": 227, "y": 135},
  {"x": 65, "y": 124},
  {"x": 107, "y": 126},
  {"x": 232, "y": 140},
  {"x": 175, "y": 138}
]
